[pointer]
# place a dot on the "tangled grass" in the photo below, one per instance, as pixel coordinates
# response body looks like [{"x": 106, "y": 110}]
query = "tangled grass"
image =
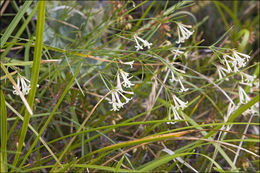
[{"x": 129, "y": 86}]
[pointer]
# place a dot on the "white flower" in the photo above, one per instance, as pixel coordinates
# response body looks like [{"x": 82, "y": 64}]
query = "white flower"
[
  {"x": 179, "y": 103},
  {"x": 24, "y": 84},
  {"x": 138, "y": 46},
  {"x": 183, "y": 32},
  {"x": 238, "y": 60},
  {"x": 227, "y": 64},
  {"x": 126, "y": 83},
  {"x": 248, "y": 79},
  {"x": 145, "y": 43},
  {"x": 222, "y": 72},
  {"x": 240, "y": 55},
  {"x": 119, "y": 86},
  {"x": 236, "y": 63},
  {"x": 129, "y": 63},
  {"x": 176, "y": 115},
  {"x": 243, "y": 97},
  {"x": 173, "y": 77},
  {"x": 116, "y": 102},
  {"x": 183, "y": 89},
  {"x": 235, "y": 67},
  {"x": 116, "y": 94},
  {"x": 18, "y": 85}
]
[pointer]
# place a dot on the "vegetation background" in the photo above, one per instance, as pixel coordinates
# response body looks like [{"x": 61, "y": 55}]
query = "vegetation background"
[{"x": 73, "y": 50}]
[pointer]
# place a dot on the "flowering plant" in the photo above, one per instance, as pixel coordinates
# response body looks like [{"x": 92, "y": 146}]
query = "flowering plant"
[{"x": 143, "y": 86}]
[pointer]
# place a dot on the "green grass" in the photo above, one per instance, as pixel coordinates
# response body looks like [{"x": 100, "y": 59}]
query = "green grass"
[{"x": 75, "y": 50}]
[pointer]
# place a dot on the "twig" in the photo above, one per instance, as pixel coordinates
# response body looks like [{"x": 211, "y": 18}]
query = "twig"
[{"x": 4, "y": 7}]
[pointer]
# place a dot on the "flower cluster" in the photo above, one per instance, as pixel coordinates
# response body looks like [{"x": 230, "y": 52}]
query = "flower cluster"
[
  {"x": 118, "y": 92},
  {"x": 237, "y": 60},
  {"x": 23, "y": 84},
  {"x": 243, "y": 99},
  {"x": 247, "y": 79},
  {"x": 178, "y": 105},
  {"x": 233, "y": 63},
  {"x": 145, "y": 43},
  {"x": 183, "y": 32},
  {"x": 126, "y": 83}
]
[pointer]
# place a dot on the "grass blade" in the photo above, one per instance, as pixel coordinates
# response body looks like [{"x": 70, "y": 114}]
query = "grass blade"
[
  {"x": 35, "y": 73},
  {"x": 119, "y": 164},
  {"x": 3, "y": 152}
]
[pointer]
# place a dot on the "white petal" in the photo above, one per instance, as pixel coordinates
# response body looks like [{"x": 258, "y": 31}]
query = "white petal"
[
  {"x": 183, "y": 89},
  {"x": 183, "y": 32},
  {"x": 138, "y": 47},
  {"x": 244, "y": 98},
  {"x": 179, "y": 103},
  {"x": 129, "y": 63}
]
